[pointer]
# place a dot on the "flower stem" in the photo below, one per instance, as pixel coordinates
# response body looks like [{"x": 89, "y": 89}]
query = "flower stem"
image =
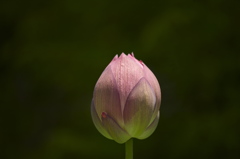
[{"x": 129, "y": 149}]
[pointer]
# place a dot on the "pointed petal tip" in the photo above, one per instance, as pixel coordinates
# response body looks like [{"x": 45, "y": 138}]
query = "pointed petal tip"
[
  {"x": 141, "y": 62},
  {"x": 131, "y": 54},
  {"x": 136, "y": 60},
  {"x": 123, "y": 55},
  {"x": 115, "y": 57}
]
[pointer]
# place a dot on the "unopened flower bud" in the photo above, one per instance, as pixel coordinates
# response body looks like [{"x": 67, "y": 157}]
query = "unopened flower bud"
[{"x": 126, "y": 100}]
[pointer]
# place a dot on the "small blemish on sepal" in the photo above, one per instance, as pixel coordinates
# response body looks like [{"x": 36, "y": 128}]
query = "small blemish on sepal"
[{"x": 104, "y": 115}]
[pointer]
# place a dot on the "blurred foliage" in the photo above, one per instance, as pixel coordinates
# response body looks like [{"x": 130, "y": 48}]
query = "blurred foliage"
[{"x": 52, "y": 53}]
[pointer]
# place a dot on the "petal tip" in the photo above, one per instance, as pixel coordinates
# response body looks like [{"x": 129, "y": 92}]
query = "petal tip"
[
  {"x": 122, "y": 55},
  {"x": 115, "y": 57}
]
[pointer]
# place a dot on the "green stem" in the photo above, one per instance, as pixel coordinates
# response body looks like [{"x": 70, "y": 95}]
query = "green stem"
[{"x": 129, "y": 149}]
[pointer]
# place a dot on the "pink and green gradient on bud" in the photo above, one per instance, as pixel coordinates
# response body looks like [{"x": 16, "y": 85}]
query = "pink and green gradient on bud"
[{"x": 126, "y": 100}]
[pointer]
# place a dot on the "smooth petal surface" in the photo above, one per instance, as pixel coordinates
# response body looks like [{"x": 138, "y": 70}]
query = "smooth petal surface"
[
  {"x": 150, "y": 129},
  {"x": 139, "y": 108},
  {"x": 106, "y": 97},
  {"x": 98, "y": 123},
  {"x": 127, "y": 72},
  {"x": 115, "y": 131},
  {"x": 150, "y": 77}
]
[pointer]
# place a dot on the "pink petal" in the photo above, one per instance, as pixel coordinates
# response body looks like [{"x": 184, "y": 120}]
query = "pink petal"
[
  {"x": 127, "y": 72},
  {"x": 139, "y": 108},
  {"x": 106, "y": 97}
]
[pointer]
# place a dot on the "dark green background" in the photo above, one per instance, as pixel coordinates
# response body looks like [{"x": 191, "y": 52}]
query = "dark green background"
[{"x": 53, "y": 52}]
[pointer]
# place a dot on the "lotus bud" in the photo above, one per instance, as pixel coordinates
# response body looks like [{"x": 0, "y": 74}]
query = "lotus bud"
[{"x": 126, "y": 100}]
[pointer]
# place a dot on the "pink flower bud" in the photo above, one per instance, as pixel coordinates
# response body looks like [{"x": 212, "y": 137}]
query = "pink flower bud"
[{"x": 126, "y": 100}]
